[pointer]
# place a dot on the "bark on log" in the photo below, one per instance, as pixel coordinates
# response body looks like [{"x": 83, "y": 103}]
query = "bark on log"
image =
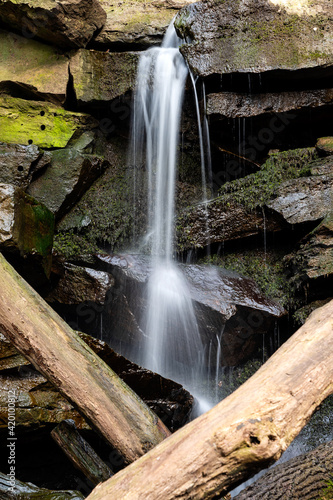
[
  {"x": 62, "y": 357},
  {"x": 244, "y": 433},
  {"x": 80, "y": 453},
  {"x": 303, "y": 478},
  {"x": 13, "y": 489}
]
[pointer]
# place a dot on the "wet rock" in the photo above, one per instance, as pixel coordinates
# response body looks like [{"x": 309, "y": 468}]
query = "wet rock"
[
  {"x": 44, "y": 124},
  {"x": 131, "y": 23},
  {"x": 325, "y": 146},
  {"x": 232, "y": 105},
  {"x": 19, "y": 163},
  {"x": 61, "y": 22},
  {"x": 69, "y": 174},
  {"x": 256, "y": 36},
  {"x": 102, "y": 76},
  {"x": 40, "y": 68},
  {"x": 29, "y": 490},
  {"x": 263, "y": 201},
  {"x": 79, "y": 284},
  {"x": 9, "y": 356},
  {"x": 224, "y": 302},
  {"x": 39, "y": 404},
  {"x": 26, "y": 228}
]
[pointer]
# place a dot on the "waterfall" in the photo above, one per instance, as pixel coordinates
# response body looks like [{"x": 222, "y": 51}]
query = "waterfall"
[{"x": 173, "y": 346}]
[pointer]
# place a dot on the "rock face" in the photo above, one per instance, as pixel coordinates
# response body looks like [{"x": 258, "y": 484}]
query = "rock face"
[
  {"x": 66, "y": 178},
  {"x": 79, "y": 284},
  {"x": 26, "y": 227},
  {"x": 102, "y": 76},
  {"x": 40, "y": 123},
  {"x": 137, "y": 24},
  {"x": 60, "y": 22},
  {"x": 224, "y": 302},
  {"x": 232, "y": 105},
  {"x": 33, "y": 64},
  {"x": 256, "y": 36},
  {"x": 264, "y": 201}
]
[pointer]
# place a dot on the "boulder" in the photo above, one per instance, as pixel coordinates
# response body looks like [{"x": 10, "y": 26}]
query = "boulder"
[
  {"x": 257, "y": 36},
  {"x": 26, "y": 228},
  {"x": 224, "y": 301},
  {"x": 102, "y": 76},
  {"x": 79, "y": 284},
  {"x": 69, "y": 174},
  {"x": 40, "y": 123},
  {"x": 19, "y": 163},
  {"x": 65, "y": 23},
  {"x": 40, "y": 68},
  {"x": 136, "y": 24}
]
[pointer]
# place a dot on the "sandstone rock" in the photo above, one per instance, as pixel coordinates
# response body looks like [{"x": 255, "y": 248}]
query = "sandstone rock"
[
  {"x": 223, "y": 300},
  {"x": 325, "y": 146},
  {"x": 102, "y": 76},
  {"x": 79, "y": 284},
  {"x": 305, "y": 199},
  {"x": 256, "y": 36},
  {"x": 232, "y": 105},
  {"x": 26, "y": 227},
  {"x": 133, "y": 23},
  {"x": 41, "y": 68},
  {"x": 19, "y": 163},
  {"x": 69, "y": 174},
  {"x": 40, "y": 123},
  {"x": 9, "y": 356},
  {"x": 66, "y": 23}
]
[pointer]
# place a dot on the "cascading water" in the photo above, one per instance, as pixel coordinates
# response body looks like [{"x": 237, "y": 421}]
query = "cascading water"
[{"x": 173, "y": 346}]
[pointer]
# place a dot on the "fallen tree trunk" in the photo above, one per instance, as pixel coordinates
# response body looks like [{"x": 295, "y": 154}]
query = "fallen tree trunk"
[
  {"x": 302, "y": 477},
  {"x": 244, "y": 433},
  {"x": 62, "y": 357},
  {"x": 80, "y": 453}
]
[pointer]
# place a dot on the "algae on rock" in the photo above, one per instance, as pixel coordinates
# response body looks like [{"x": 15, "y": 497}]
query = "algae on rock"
[{"x": 40, "y": 123}]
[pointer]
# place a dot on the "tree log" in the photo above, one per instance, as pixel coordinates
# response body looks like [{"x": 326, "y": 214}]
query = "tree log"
[
  {"x": 303, "y": 477},
  {"x": 244, "y": 433},
  {"x": 28, "y": 491},
  {"x": 62, "y": 357},
  {"x": 80, "y": 453}
]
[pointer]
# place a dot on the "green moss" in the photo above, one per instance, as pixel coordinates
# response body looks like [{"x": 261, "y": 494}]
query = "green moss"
[
  {"x": 265, "y": 269},
  {"x": 40, "y": 123},
  {"x": 327, "y": 492},
  {"x": 71, "y": 245},
  {"x": 256, "y": 189}
]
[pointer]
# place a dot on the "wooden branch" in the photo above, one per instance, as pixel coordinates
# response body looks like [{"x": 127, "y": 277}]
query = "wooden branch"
[
  {"x": 80, "y": 453},
  {"x": 301, "y": 477},
  {"x": 80, "y": 375},
  {"x": 244, "y": 433},
  {"x": 13, "y": 489}
]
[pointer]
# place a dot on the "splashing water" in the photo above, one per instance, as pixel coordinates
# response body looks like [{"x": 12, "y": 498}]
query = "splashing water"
[{"x": 173, "y": 344}]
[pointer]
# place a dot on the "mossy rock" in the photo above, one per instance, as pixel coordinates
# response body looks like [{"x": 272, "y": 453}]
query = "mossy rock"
[
  {"x": 40, "y": 123},
  {"x": 325, "y": 146},
  {"x": 34, "y": 64},
  {"x": 256, "y": 36}
]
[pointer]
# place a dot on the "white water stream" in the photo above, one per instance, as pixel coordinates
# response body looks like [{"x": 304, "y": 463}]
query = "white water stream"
[{"x": 173, "y": 345}]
